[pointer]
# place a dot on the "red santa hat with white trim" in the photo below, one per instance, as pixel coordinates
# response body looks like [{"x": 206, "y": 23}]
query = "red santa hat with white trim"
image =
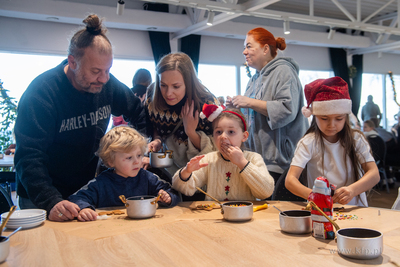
[
  {"x": 210, "y": 112},
  {"x": 327, "y": 97}
]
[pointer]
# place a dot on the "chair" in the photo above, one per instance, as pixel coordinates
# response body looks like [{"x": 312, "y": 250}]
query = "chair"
[
  {"x": 6, "y": 179},
  {"x": 396, "y": 204},
  {"x": 5, "y": 201},
  {"x": 282, "y": 193},
  {"x": 378, "y": 147}
]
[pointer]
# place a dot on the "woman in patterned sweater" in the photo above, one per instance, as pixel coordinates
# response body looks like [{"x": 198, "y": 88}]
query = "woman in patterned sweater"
[{"x": 172, "y": 111}]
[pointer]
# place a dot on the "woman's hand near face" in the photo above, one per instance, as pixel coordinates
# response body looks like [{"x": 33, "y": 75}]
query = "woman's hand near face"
[
  {"x": 190, "y": 121},
  {"x": 145, "y": 163}
]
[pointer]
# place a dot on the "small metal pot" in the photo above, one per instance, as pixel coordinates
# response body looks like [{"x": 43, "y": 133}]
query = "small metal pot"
[
  {"x": 161, "y": 159},
  {"x": 296, "y": 221},
  {"x": 233, "y": 212},
  {"x": 359, "y": 243},
  {"x": 141, "y": 207}
]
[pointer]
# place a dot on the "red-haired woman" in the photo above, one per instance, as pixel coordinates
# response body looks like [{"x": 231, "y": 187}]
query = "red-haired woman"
[{"x": 272, "y": 102}]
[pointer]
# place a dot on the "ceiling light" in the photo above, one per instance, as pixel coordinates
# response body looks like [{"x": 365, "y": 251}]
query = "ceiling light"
[
  {"x": 331, "y": 33},
  {"x": 286, "y": 27},
  {"x": 120, "y": 7},
  {"x": 210, "y": 19}
]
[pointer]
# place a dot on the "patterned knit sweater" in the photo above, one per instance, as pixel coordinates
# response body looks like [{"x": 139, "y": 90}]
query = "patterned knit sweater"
[{"x": 225, "y": 181}]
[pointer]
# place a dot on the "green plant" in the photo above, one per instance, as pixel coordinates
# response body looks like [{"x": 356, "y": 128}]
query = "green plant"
[{"x": 8, "y": 107}]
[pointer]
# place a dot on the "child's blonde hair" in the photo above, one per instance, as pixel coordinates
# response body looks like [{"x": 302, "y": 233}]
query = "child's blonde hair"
[{"x": 119, "y": 139}]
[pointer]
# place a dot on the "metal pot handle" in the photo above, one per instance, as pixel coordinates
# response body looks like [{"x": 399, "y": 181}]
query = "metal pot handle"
[{"x": 123, "y": 199}]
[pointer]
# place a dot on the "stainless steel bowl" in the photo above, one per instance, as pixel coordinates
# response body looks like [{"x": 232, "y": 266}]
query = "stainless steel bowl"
[
  {"x": 141, "y": 207},
  {"x": 359, "y": 243},
  {"x": 297, "y": 221},
  {"x": 161, "y": 159},
  {"x": 233, "y": 212}
]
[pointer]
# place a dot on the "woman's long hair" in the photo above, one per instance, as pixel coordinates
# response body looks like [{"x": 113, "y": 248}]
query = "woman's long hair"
[
  {"x": 346, "y": 139},
  {"x": 195, "y": 90}
]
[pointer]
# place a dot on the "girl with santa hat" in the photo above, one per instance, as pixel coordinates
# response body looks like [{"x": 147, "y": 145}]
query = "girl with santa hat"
[
  {"x": 229, "y": 173},
  {"x": 331, "y": 148}
]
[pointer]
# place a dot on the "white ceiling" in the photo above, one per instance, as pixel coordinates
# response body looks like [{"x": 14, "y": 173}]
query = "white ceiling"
[{"x": 362, "y": 21}]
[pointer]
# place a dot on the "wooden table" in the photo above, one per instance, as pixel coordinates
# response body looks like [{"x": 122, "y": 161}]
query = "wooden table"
[{"x": 183, "y": 237}]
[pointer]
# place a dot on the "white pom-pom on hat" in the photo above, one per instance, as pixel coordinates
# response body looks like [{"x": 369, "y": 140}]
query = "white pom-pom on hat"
[
  {"x": 210, "y": 111},
  {"x": 306, "y": 112}
]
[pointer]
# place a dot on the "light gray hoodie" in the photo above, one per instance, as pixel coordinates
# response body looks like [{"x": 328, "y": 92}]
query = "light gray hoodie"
[{"x": 275, "y": 137}]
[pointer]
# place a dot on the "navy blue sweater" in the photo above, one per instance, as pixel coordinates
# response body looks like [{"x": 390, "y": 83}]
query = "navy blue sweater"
[
  {"x": 104, "y": 191},
  {"x": 58, "y": 130}
]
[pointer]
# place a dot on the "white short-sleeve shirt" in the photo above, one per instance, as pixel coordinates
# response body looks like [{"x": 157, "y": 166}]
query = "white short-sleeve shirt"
[{"x": 308, "y": 152}]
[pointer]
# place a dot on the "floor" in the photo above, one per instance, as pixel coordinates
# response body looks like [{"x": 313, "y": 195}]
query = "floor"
[{"x": 380, "y": 198}]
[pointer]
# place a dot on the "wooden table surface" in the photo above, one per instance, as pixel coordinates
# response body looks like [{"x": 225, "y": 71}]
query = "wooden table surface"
[{"x": 181, "y": 236}]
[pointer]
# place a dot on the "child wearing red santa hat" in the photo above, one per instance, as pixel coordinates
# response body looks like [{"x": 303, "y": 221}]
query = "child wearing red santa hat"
[
  {"x": 331, "y": 148},
  {"x": 229, "y": 173}
]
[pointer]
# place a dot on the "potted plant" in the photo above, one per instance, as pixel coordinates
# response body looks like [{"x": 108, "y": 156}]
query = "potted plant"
[{"x": 8, "y": 107}]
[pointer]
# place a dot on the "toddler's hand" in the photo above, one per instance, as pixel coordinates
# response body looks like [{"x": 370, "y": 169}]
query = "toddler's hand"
[
  {"x": 343, "y": 195},
  {"x": 165, "y": 197},
  {"x": 87, "y": 214},
  {"x": 145, "y": 163},
  {"x": 194, "y": 164}
]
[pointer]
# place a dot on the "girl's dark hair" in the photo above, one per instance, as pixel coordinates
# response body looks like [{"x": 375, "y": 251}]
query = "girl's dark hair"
[
  {"x": 86, "y": 37},
  {"x": 346, "y": 139}
]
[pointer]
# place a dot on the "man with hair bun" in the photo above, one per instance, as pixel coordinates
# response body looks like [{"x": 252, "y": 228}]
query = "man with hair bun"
[{"x": 62, "y": 116}]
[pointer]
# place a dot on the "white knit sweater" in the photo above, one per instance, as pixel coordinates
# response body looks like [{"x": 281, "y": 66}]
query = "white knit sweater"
[{"x": 225, "y": 181}]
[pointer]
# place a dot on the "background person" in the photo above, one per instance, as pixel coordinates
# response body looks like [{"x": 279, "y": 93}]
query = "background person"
[
  {"x": 371, "y": 110},
  {"x": 272, "y": 101},
  {"x": 141, "y": 80},
  {"x": 62, "y": 116},
  {"x": 369, "y": 129}
]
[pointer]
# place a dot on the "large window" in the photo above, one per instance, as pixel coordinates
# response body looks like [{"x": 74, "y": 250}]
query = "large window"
[
  {"x": 18, "y": 70},
  {"x": 219, "y": 79}
]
